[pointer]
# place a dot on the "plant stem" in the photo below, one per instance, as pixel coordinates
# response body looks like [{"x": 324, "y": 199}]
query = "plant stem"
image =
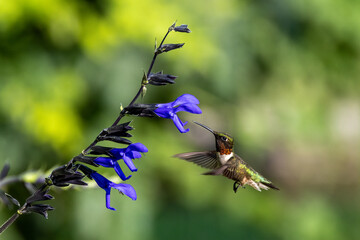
[
  {"x": 122, "y": 113},
  {"x": 155, "y": 54},
  {"x": 9, "y": 222}
]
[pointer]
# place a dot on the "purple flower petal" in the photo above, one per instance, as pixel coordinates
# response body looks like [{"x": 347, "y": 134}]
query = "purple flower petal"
[
  {"x": 191, "y": 108},
  {"x": 104, "y": 161},
  {"x": 164, "y": 105},
  {"x": 107, "y": 199},
  {"x": 137, "y": 147},
  {"x": 134, "y": 154},
  {"x": 126, "y": 189},
  {"x": 119, "y": 172},
  {"x": 179, "y": 124},
  {"x": 106, "y": 184},
  {"x": 184, "y": 99},
  {"x": 164, "y": 112},
  {"x": 131, "y": 152},
  {"x": 102, "y": 181},
  {"x": 118, "y": 152},
  {"x": 130, "y": 164}
]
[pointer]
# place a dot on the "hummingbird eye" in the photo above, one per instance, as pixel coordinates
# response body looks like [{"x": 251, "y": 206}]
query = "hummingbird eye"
[{"x": 223, "y": 138}]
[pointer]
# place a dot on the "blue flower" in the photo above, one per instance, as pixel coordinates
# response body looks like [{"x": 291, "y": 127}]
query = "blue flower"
[
  {"x": 185, "y": 102},
  {"x": 127, "y": 154},
  {"x": 112, "y": 163},
  {"x": 106, "y": 184}
]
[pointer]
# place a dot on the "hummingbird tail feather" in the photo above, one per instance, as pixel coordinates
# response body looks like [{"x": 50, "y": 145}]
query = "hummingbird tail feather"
[
  {"x": 254, "y": 184},
  {"x": 262, "y": 186},
  {"x": 270, "y": 185}
]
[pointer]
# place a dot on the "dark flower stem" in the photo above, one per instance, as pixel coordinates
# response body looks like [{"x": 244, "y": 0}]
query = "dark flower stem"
[
  {"x": 122, "y": 113},
  {"x": 12, "y": 219},
  {"x": 155, "y": 54},
  {"x": 9, "y": 222}
]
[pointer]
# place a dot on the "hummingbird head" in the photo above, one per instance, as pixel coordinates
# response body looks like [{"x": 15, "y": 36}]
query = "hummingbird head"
[{"x": 224, "y": 142}]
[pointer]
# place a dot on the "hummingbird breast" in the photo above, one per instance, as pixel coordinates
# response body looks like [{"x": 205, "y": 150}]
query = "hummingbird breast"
[{"x": 224, "y": 158}]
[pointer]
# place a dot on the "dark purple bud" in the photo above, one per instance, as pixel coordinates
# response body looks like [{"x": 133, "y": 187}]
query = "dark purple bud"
[
  {"x": 40, "y": 195},
  {"x": 87, "y": 171},
  {"x": 161, "y": 79},
  {"x": 63, "y": 176},
  {"x": 182, "y": 28},
  {"x": 141, "y": 110},
  {"x": 120, "y": 134},
  {"x": 121, "y": 128},
  {"x": 85, "y": 159},
  {"x": 76, "y": 182},
  {"x": 99, "y": 150},
  {"x": 168, "y": 47},
  {"x": 39, "y": 208},
  {"x": 116, "y": 139}
]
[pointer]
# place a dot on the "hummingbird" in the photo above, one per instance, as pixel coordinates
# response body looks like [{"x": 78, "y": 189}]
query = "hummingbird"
[{"x": 225, "y": 162}]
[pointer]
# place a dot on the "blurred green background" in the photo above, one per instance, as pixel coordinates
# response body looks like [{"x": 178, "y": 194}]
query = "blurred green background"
[{"x": 281, "y": 76}]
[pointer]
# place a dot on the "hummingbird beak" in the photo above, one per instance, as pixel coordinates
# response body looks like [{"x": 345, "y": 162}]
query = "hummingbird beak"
[{"x": 205, "y": 127}]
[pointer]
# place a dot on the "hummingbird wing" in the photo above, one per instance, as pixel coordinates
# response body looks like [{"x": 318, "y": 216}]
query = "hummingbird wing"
[{"x": 203, "y": 159}]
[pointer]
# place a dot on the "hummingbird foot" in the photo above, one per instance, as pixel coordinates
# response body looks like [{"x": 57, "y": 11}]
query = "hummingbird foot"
[{"x": 236, "y": 186}]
